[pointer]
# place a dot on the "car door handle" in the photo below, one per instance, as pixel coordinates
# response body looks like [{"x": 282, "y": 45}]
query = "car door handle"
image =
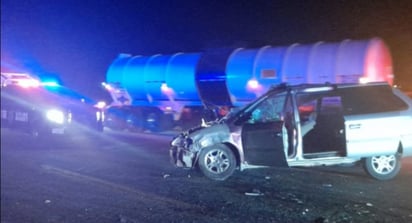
[
  {"x": 279, "y": 134},
  {"x": 354, "y": 126}
]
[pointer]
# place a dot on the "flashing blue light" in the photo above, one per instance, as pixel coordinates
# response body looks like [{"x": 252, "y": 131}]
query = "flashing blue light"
[
  {"x": 50, "y": 80},
  {"x": 50, "y": 84}
]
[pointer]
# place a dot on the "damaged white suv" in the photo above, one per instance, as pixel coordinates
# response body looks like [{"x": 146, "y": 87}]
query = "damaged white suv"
[{"x": 305, "y": 125}]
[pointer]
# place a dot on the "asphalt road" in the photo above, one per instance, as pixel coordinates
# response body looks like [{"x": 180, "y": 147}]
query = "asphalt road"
[
  {"x": 127, "y": 177},
  {"x": 87, "y": 178}
]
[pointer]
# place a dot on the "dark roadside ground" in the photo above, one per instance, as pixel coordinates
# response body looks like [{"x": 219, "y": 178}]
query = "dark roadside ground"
[{"x": 125, "y": 178}]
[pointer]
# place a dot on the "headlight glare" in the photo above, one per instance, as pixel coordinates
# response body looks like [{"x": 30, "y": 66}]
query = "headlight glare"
[{"x": 55, "y": 116}]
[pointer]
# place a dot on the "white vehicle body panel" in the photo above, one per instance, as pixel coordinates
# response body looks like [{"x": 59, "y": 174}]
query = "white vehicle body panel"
[{"x": 376, "y": 134}]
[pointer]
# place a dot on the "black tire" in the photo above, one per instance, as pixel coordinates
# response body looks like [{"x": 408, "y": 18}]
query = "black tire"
[
  {"x": 153, "y": 122},
  {"x": 383, "y": 167},
  {"x": 217, "y": 162},
  {"x": 166, "y": 122},
  {"x": 134, "y": 123}
]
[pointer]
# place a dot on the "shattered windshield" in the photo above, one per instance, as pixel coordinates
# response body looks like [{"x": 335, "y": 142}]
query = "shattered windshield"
[{"x": 266, "y": 108}]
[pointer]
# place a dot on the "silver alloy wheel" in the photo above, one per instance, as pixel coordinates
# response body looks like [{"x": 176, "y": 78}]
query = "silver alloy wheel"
[
  {"x": 217, "y": 161},
  {"x": 384, "y": 167},
  {"x": 383, "y": 164}
]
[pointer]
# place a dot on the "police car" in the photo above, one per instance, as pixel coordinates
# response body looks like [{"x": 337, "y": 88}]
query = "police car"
[{"x": 39, "y": 109}]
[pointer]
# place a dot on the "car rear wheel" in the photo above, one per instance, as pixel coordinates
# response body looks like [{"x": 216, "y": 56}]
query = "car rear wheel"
[
  {"x": 383, "y": 167},
  {"x": 217, "y": 162}
]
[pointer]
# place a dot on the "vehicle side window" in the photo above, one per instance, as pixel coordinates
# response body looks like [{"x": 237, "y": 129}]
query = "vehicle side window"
[
  {"x": 307, "y": 107},
  {"x": 370, "y": 99},
  {"x": 331, "y": 105},
  {"x": 319, "y": 111}
]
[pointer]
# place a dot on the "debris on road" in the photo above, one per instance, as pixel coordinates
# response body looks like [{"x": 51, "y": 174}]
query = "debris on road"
[
  {"x": 166, "y": 176},
  {"x": 255, "y": 192}
]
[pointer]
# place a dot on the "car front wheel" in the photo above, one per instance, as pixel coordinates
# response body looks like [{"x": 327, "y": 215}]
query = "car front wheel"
[
  {"x": 383, "y": 167},
  {"x": 217, "y": 162}
]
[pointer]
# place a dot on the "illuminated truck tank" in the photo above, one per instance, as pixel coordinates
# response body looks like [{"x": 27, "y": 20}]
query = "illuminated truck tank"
[
  {"x": 159, "y": 80},
  {"x": 234, "y": 77},
  {"x": 250, "y": 72}
]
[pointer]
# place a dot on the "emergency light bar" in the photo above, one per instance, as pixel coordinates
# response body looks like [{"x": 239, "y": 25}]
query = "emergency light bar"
[{"x": 20, "y": 79}]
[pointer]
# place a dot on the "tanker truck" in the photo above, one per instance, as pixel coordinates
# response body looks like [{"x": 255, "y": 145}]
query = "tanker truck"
[{"x": 160, "y": 92}]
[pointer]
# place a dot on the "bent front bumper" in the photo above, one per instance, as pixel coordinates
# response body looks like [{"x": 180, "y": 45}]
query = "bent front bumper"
[
  {"x": 181, "y": 157},
  {"x": 174, "y": 154},
  {"x": 180, "y": 154}
]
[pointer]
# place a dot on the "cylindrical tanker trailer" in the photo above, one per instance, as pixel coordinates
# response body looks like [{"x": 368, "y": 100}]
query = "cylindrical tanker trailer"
[{"x": 156, "y": 92}]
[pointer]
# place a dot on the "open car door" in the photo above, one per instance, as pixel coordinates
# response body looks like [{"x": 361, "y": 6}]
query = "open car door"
[
  {"x": 264, "y": 136},
  {"x": 263, "y": 143}
]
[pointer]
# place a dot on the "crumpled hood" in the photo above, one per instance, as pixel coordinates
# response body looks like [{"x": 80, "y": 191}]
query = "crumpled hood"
[{"x": 213, "y": 134}]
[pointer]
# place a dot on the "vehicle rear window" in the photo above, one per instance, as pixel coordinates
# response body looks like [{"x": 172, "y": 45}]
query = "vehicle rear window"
[{"x": 370, "y": 99}]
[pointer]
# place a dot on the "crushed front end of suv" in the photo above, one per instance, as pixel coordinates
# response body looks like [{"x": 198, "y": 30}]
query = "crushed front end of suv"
[
  {"x": 305, "y": 125},
  {"x": 43, "y": 110}
]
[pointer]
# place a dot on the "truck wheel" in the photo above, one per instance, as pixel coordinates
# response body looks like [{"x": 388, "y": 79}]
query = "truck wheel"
[
  {"x": 217, "y": 162},
  {"x": 134, "y": 123},
  {"x": 383, "y": 167},
  {"x": 166, "y": 122},
  {"x": 152, "y": 122}
]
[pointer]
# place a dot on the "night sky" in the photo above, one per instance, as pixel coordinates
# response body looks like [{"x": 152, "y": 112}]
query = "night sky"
[{"x": 78, "y": 39}]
